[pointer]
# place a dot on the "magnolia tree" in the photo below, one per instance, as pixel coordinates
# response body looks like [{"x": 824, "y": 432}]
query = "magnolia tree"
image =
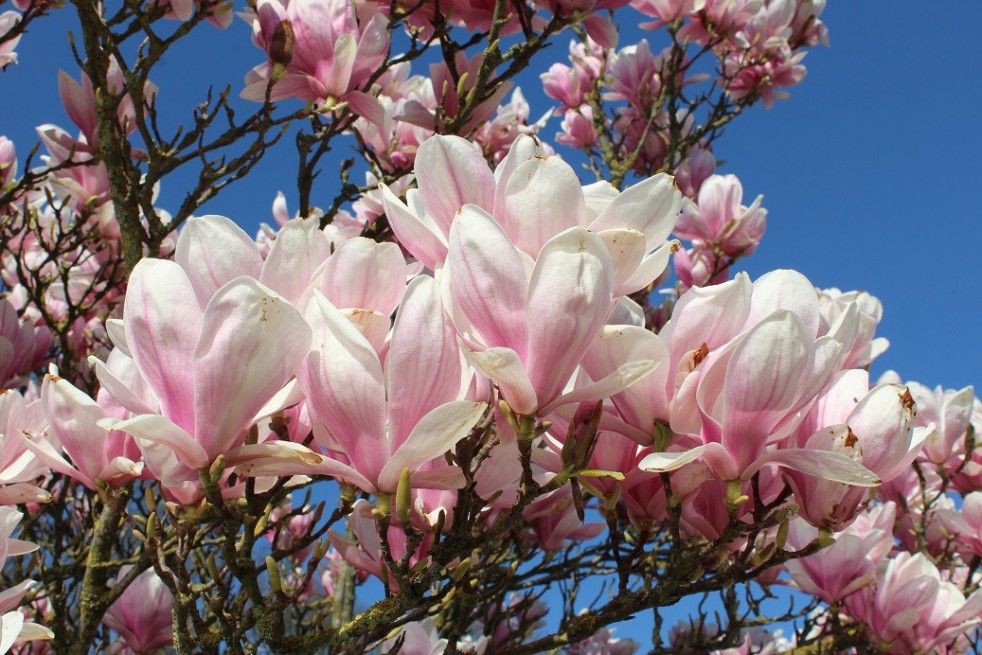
[{"x": 464, "y": 400}]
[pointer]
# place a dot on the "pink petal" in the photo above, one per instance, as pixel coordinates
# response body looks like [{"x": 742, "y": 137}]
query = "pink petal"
[
  {"x": 451, "y": 172},
  {"x": 214, "y": 250},
  {"x": 342, "y": 378},
  {"x": 488, "y": 279},
  {"x": 436, "y": 433},
  {"x": 570, "y": 295},
  {"x": 650, "y": 207},
  {"x": 252, "y": 342},
  {"x": 423, "y": 347},
  {"x": 162, "y": 324},
  {"x": 160, "y": 429},
  {"x": 542, "y": 198},
  {"x": 503, "y": 366},
  {"x": 299, "y": 249},
  {"x": 422, "y": 239}
]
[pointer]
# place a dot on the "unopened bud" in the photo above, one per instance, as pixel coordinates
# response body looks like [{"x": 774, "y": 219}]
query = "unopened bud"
[
  {"x": 151, "y": 527},
  {"x": 217, "y": 468},
  {"x": 404, "y": 498},
  {"x": 735, "y": 498},
  {"x": 782, "y": 534},
  {"x": 275, "y": 582}
]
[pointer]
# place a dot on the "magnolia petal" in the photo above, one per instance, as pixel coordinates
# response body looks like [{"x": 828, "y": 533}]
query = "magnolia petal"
[
  {"x": 299, "y": 249},
  {"x": 214, "y": 250},
  {"x": 623, "y": 377},
  {"x": 338, "y": 78},
  {"x": 421, "y": 240},
  {"x": 666, "y": 462},
  {"x": 542, "y": 198},
  {"x": 285, "y": 458},
  {"x": 252, "y": 342},
  {"x": 451, "y": 173},
  {"x": 650, "y": 207},
  {"x": 627, "y": 249},
  {"x": 824, "y": 464},
  {"x": 122, "y": 392},
  {"x": 570, "y": 294},
  {"x": 436, "y": 433},
  {"x": 364, "y": 274},
  {"x": 73, "y": 418},
  {"x": 11, "y": 624},
  {"x": 342, "y": 378},
  {"x": 423, "y": 347},
  {"x": 163, "y": 321},
  {"x": 503, "y": 367},
  {"x": 488, "y": 279},
  {"x": 160, "y": 429},
  {"x": 51, "y": 458},
  {"x": 653, "y": 265}
]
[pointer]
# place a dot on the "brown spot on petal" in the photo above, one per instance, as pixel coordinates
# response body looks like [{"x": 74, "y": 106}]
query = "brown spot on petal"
[
  {"x": 699, "y": 354},
  {"x": 907, "y": 401},
  {"x": 851, "y": 439},
  {"x": 282, "y": 44}
]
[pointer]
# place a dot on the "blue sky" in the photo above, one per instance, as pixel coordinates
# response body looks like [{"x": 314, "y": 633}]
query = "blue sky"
[{"x": 869, "y": 171}]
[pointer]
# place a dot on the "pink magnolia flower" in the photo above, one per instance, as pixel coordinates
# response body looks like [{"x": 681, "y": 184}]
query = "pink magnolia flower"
[
  {"x": 578, "y": 130},
  {"x": 219, "y": 13},
  {"x": 528, "y": 333},
  {"x": 141, "y": 616},
  {"x": 75, "y": 426},
  {"x": 750, "y": 365},
  {"x": 847, "y": 565},
  {"x": 604, "y": 643},
  {"x": 764, "y": 78},
  {"x": 13, "y": 627},
  {"x": 966, "y": 523},
  {"x": 379, "y": 416},
  {"x": 212, "y": 366},
  {"x": 912, "y": 608},
  {"x": 23, "y": 346},
  {"x": 8, "y": 158},
  {"x": 881, "y": 435},
  {"x": 534, "y": 198},
  {"x": 833, "y": 302},
  {"x": 692, "y": 173},
  {"x": 668, "y": 11},
  {"x": 554, "y": 520},
  {"x": 327, "y": 49},
  {"x": 949, "y": 412},
  {"x": 719, "y": 217},
  {"x": 423, "y": 638},
  {"x": 364, "y": 553},
  {"x": 497, "y": 135},
  {"x": 445, "y": 95},
  {"x": 570, "y": 84},
  {"x": 19, "y": 467}
]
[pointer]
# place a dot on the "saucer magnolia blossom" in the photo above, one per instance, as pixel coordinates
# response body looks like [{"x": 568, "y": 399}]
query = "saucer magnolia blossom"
[
  {"x": 212, "y": 368},
  {"x": 527, "y": 332},
  {"x": 749, "y": 386},
  {"x": 379, "y": 414},
  {"x": 326, "y": 48},
  {"x": 534, "y": 197}
]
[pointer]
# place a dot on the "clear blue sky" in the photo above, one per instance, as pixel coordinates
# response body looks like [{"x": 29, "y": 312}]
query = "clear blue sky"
[{"x": 871, "y": 171}]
